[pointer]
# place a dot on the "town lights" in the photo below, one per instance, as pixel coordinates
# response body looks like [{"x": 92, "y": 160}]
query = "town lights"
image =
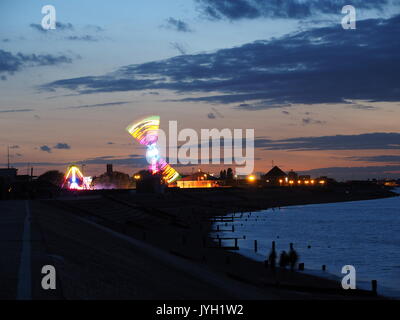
[
  {"x": 322, "y": 182},
  {"x": 251, "y": 178},
  {"x": 137, "y": 177}
]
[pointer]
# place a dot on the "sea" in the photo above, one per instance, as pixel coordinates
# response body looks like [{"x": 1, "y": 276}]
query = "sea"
[{"x": 364, "y": 234}]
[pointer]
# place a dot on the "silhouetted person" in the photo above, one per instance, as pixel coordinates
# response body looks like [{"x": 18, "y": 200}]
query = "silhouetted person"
[
  {"x": 293, "y": 257},
  {"x": 284, "y": 259}
]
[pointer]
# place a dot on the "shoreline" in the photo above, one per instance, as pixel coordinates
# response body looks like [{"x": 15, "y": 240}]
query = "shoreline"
[{"x": 363, "y": 284}]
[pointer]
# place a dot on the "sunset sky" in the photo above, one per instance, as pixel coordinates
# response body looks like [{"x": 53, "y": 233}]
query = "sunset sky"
[{"x": 320, "y": 98}]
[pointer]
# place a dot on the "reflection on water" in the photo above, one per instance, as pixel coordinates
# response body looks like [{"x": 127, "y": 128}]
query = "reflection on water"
[{"x": 365, "y": 234}]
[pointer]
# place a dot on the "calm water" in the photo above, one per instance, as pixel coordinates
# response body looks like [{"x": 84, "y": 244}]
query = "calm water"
[{"x": 365, "y": 234}]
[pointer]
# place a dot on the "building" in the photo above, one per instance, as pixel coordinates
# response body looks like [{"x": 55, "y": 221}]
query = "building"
[
  {"x": 293, "y": 175},
  {"x": 199, "y": 179},
  {"x": 8, "y": 173},
  {"x": 275, "y": 176}
]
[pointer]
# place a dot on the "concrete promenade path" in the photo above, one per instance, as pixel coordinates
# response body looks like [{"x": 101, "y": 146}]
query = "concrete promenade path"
[{"x": 94, "y": 262}]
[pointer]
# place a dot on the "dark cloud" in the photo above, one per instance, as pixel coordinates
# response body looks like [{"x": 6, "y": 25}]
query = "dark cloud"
[
  {"x": 60, "y": 26},
  {"x": 296, "y": 9},
  {"x": 67, "y": 28},
  {"x": 87, "y": 38},
  {"x": 16, "y": 110},
  {"x": 322, "y": 65},
  {"x": 62, "y": 146},
  {"x": 5, "y": 40},
  {"x": 45, "y": 149},
  {"x": 36, "y": 164},
  {"x": 380, "y": 158},
  {"x": 135, "y": 161},
  {"x": 356, "y": 173},
  {"x": 12, "y": 63},
  {"x": 177, "y": 25},
  {"x": 366, "y": 141},
  {"x": 99, "y": 105}
]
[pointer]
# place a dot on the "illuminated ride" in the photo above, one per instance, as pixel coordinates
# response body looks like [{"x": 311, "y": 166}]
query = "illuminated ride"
[
  {"x": 74, "y": 179},
  {"x": 146, "y": 133}
]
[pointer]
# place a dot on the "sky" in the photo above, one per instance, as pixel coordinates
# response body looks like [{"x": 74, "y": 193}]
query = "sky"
[{"x": 322, "y": 100}]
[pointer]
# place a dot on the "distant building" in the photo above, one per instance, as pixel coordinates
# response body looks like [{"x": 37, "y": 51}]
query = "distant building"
[
  {"x": 275, "y": 176},
  {"x": 293, "y": 175},
  {"x": 199, "y": 179},
  {"x": 9, "y": 173},
  {"x": 391, "y": 183}
]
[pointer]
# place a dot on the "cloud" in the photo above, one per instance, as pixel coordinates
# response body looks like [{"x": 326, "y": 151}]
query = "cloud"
[
  {"x": 62, "y": 146},
  {"x": 12, "y": 63},
  {"x": 294, "y": 9},
  {"x": 211, "y": 116},
  {"x": 366, "y": 141},
  {"x": 321, "y": 65},
  {"x": 99, "y": 105},
  {"x": 45, "y": 149},
  {"x": 180, "y": 47},
  {"x": 60, "y": 26},
  {"x": 87, "y": 38},
  {"x": 66, "y": 28},
  {"x": 177, "y": 25},
  {"x": 16, "y": 110},
  {"x": 379, "y": 158},
  {"x": 308, "y": 121},
  {"x": 356, "y": 173},
  {"x": 59, "y": 146},
  {"x": 92, "y": 27},
  {"x": 134, "y": 160},
  {"x": 360, "y": 106},
  {"x": 15, "y": 146}
]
